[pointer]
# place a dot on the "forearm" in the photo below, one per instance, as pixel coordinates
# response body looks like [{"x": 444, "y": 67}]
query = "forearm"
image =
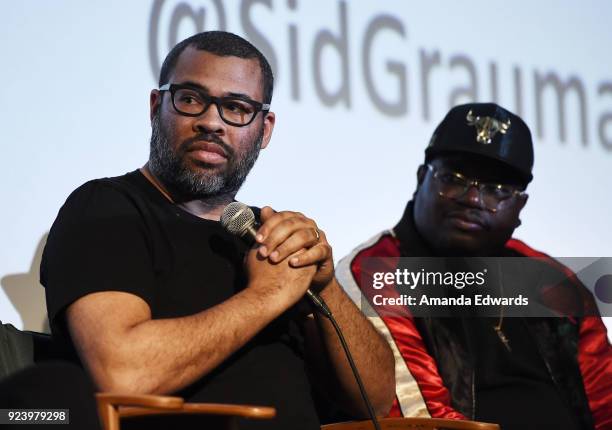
[
  {"x": 372, "y": 356},
  {"x": 164, "y": 355}
]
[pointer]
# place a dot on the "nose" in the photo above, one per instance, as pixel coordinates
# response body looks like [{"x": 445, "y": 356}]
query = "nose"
[
  {"x": 209, "y": 121},
  {"x": 472, "y": 197}
]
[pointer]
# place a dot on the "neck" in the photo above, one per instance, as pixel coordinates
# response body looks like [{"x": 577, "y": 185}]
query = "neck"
[{"x": 210, "y": 208}]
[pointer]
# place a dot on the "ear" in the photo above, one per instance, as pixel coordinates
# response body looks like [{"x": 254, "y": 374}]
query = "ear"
[
  {"x": 269, "y": 121},
  {"x": 523, "y": 201},
  {"x": 421, "y": 172},
  {"x": 155, "y": 99}
]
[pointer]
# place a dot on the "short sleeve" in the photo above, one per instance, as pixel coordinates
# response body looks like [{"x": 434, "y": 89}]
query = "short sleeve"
[{"x": 98, "y": 242}]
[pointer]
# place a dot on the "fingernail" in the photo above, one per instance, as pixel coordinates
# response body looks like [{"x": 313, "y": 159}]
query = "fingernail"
[
  {"x": 259, "y": 237},
  {"x": 263, "y": 251},
  {"x": 294, "y": 260},
  {"x": 274, "y": 255}
]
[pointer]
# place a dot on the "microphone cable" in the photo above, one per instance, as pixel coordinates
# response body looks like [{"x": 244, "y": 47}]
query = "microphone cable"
[
  {"x": 326, "y": 312},
  {"x": 239, "y": 219}
]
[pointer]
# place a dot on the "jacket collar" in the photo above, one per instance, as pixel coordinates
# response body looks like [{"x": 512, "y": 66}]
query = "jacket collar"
[{"x": 412, "y": 244}]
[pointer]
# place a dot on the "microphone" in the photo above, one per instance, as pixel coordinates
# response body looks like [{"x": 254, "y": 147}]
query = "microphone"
[{"x": 238, "y": 219}]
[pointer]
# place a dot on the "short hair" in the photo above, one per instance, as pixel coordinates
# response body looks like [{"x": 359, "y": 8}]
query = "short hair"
[{"x": 224, "y": 44}]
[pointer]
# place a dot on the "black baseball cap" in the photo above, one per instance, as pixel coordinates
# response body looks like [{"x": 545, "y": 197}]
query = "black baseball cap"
[{"x": 485, "y": 129}]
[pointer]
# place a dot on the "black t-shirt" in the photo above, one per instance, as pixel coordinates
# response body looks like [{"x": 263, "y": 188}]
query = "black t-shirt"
[
  {"x": 514, "y": 388},
  {"x": 121, "y": 234}
]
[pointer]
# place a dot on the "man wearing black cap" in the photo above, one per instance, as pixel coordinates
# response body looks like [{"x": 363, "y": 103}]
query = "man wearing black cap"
[{"x": 522, "y": 373}]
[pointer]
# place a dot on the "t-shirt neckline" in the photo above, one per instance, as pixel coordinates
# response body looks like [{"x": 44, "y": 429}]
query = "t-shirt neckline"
[{"x": 151, "y": 190}]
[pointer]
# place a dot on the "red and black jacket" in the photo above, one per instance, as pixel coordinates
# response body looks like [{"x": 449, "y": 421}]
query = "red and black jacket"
[{"x": 576, "y": 351}]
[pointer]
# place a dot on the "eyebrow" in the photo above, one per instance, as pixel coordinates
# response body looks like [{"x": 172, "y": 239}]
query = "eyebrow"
[{"x": 207, "y": 92}]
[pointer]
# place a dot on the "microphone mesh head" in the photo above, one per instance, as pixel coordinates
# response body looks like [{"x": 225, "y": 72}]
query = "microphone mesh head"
[{"x": 237, "y": 218}]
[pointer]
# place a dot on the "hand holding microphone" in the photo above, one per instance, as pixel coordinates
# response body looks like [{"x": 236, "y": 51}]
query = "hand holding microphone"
[
  {"x": 283, "y": 236},
  {"x": 291, "y": 234}
]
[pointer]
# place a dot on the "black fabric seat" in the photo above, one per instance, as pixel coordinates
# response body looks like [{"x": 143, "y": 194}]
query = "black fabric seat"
[
  {"x": 34, "y": 376},
  {"x": 20, "y": 349}
]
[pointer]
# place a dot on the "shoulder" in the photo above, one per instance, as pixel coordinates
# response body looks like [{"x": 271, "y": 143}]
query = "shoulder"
[
  {"x": 112, "y": 188},
  {"x": 383, "y": 244},
  {"x": 519, "y": 248},
  {"x": 522, "y": 249},
  {"x": 349, "y": 268},
  {"x": 97, "y": 212},
  {"x": 96, "y": 198},
  {"x": 567, "y": 285}
]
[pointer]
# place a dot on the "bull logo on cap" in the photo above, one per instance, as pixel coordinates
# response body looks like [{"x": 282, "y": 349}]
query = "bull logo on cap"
[{"x": 486, "y": 127}]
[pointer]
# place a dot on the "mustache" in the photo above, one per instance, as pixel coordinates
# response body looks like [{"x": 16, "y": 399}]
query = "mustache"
[{"x": 209, "y": 138}]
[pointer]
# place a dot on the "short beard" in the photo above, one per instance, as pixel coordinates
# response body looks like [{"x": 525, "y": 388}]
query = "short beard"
[{"x": 171, "y": 167}]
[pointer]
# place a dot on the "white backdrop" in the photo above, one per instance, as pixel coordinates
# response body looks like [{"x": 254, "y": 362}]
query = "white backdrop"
[{"x": 361, "y": 86}]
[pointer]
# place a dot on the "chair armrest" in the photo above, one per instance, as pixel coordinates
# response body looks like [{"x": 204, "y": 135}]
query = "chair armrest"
[
  {"x": 244, "y": 411},
  {"x": 113, "y": 406},
  {"x": 110, "y": 404},
  {"x": 144, "y": 400}
]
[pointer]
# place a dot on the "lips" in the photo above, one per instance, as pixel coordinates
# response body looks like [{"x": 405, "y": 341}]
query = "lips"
[
  {"x": 208, "y": 152},
  {"x": 467, "y": 221},
  {"x": 208, "y": 147}
]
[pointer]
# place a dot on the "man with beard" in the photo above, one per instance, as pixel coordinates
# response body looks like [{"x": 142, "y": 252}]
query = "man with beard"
[
  {"x": 154, "y": 296},
  {"x": 523, "y": 373}
]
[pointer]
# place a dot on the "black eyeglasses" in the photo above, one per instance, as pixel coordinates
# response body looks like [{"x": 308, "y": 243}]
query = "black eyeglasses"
[
  {"x": 234, "y": 111},
  {"x": 454, "y": 185}
]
